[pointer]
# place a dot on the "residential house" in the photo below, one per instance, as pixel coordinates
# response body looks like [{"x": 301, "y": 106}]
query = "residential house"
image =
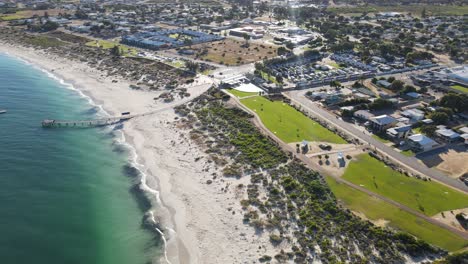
[
  {"x": 447, "y": 135},
  {"x": 382, "y": 122},
  {"x": 384, "y": 84},
  {"x": 420, "y": 142},
  {"x": 363, "y": 114},
  {"x": 413, "y": 114},
  {"x": 399, "y": 132}
]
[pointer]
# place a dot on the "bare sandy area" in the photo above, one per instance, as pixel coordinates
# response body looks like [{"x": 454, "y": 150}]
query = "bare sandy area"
[
  {"x": 448, "y": 217},
  {"x": 201, "y": 220},
  {"x": 454, "y": 163}
]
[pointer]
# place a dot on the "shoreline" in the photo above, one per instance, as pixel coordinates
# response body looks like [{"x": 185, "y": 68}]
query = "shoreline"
[
  {"x": 133, "y": 157},
  {"x": 201, "y": 223}
]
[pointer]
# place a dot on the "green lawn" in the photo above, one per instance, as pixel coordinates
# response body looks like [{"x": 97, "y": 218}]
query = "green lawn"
[
  {"x": 383, "y": 140},
  {"x": 240, "y": 94},
  {"x": 427, "y": 197},
  {"x": 334, "y": 64},
  {"x": 375, "y": 209},
  {"x": 408, "y": 153},
  {"x": 289, "y": 124},
  {"x": 105, "y": 44},
  {"x": 460, "y": 88}
]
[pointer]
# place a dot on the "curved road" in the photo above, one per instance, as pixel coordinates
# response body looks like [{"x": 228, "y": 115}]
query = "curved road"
[
  {"x": 411, "y": 163},
  {"x": 258, "y": 123}
]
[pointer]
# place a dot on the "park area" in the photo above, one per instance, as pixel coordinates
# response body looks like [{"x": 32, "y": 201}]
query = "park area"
[
  {"x": 289, "y": 124},
  {"x": 427, "y": 197},
  {"x": 106, "y": 44},
  {"x": 23, "y": 14},
  {"x": 379, "y": 211},
  {"x": 460, "y": 88},
  {"x": 233, "y": 52}
]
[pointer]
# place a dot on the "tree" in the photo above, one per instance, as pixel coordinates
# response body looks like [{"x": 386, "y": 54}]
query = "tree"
[
  {"x": 192, "y": 66},
  {"x": 428, "y": 130},
  {"x": 49, "y": 26},
  {"x": 335, "y": 84},
  {"x": 246, "y": 38},
  {"x": 46, "y": 15},
  {"x": 188, "y": 42},
  {"x": 279, "y": 79},
  {"x": 439, "y": 117},
  {"x": 115, "y": 51},
  {"x": 456, "y": 102},
  {"x": 423, "y": 13},
  {"x": 397, "y": 85},
  {"x": 281, "y": 51}
]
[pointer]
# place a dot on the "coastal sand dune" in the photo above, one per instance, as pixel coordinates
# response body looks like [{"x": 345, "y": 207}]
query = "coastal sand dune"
[{"x": 206, "y": 219}]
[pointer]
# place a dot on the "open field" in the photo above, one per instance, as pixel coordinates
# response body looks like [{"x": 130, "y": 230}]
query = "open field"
[
  {"x": 240, "y": 94},
  {"x": 428, "y": 197},
  {"x": 460, "y": 88},
  {"x": 267, "y": 77},
  {"x": 289, "y": 124},
  {"x": 446, "y": 10},
  {"x": 233, "y": 52},
  {"x": 377, "y": 210},
  {"x": 105, "y": 44},
  {"x": 30, "y": 13}
]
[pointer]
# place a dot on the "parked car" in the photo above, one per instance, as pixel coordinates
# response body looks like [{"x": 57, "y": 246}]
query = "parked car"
[{"x": 325, "y": 147}]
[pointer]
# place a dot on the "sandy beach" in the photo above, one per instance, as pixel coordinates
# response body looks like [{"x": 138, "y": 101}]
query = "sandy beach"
[{"x": 201, "y": 220}]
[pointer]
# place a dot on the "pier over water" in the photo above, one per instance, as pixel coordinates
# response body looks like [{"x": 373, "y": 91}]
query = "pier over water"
[{"x": 50, "y": 123}]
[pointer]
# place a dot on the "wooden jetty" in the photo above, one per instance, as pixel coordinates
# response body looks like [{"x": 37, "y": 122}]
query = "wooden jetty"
[{"x": 50, "y": 123}]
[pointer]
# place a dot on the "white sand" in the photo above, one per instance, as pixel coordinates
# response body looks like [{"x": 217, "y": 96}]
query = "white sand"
[{"x": 204, "y": 230}]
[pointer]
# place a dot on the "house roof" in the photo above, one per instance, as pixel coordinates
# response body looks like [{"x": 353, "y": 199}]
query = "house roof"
[
  {"x": 421, "y": 140},
  {"x": 383, "y": 119},
  {"x": 464, "y": 130},
  {"x": 449, "y": 133},
  {"x": 364, "y": 113}
]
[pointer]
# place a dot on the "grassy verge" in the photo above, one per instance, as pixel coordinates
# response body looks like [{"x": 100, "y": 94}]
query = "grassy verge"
[
  {"x": 381, "y": 139},
  {"x": 105, "y": 44},
  {"x": 408, "y": 153},
  {"x": 240, "y": 94},
  {"x": 460, "y": 88},
  {"x": 375, "y": 209},
  {"x": 289, "y": 124},
  {"x": 439, "y": 10},
  {"x": 427, "y": 197}
]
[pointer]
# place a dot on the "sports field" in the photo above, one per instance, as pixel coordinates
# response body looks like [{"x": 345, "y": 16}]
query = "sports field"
[
  {"x": 289, "y": 124},
  {"x": 375, "y": 209},
  {"x": 427, "y": 197},
  {"x": 460, "y": 88}
]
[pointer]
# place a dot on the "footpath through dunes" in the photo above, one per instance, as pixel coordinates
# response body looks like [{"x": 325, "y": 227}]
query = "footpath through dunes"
[{"x": 454, "y": 239}]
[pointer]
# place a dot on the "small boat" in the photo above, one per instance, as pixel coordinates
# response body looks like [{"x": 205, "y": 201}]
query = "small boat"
[{"x": 2, "y": 111}]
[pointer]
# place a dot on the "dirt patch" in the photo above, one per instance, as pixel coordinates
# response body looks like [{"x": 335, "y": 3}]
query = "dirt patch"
[
  {"x": 378, "y": 222},
  {"x": 233, "y": 52},
  {"x": 331, "y": 166},
  {"x": 448, "y": 217},
  {"x": 453, "y": 163}
]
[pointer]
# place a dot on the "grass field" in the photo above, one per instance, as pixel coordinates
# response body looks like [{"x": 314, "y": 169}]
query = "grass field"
[
  {"x": 375, "y": 209},
  {"x": 22, "y": 14},
  {"x": 289, "y": 124},
  {"x": 44, "y": 41},
  {"x": 105, "y": 44},
  {"x": 446, "y": 10},
  {"x": 427, "y": 197},
  {"x": 460, "y": 88},
  {"x": 240, "y": 94}
]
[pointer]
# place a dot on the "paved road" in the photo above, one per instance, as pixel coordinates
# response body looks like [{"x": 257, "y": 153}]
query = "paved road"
[
  {"x": 411, "y": 163},
  {"x": 308, "y": 162}
]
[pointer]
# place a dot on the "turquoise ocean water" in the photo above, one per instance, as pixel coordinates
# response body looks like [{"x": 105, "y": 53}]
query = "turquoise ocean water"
[{"x": 66, "y": 195}]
